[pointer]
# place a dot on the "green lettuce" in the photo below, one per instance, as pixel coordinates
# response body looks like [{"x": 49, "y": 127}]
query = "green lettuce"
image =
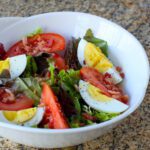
[
  {"x": 74, "y": 122},
  {"x": 68, "y": 81},
  {"x": 53, "y": 76},
  {"x": 71, "y": 76},
  {"x": 51, "y": 69},
  {"x": 98, "y": 42},
  {"x": 38, "y": 30},
  {"x": 101, "y": 116},
  {"x": 31, "y": 67},
  {"x": 30, "y": 87}
]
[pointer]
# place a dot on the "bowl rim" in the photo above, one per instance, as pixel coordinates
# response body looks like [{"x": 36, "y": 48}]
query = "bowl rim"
[{"x": 95, "y": 126}]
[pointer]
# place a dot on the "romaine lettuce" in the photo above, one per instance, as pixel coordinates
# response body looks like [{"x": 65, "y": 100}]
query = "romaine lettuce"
[
  {"x": 101, "y": 116},
  {"x": 30, "y": 87},
  {"x": 68, "y": 81},
  {"x": 31, "y": 67},
  {"x": 98, "y": 42}
]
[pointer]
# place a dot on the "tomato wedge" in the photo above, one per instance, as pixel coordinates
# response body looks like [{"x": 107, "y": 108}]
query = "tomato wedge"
[
  {"x": 41, "y": 43},
  {"x": 92, "y": 76},
  {"x": 51, "y": 101},
  {"x": 21, "y": 102},
  {"x": 59, "y": 62}
]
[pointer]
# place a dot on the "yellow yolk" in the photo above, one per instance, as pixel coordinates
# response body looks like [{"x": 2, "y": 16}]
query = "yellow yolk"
[
  {"x": 96, "y": 59},
  {"x": 96, "y": 94},
  {"x": 4, "y": 65},
  {"x": 20, "y": 116}
]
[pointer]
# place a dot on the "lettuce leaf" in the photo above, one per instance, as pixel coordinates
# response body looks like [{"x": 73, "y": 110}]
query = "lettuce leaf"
[
  {"x": 101, "y": 116},
  {"x": 68, "y": 81},
  {"x": 30, "y": 87},
  {"x": 71, "y": 76},
  {"x": 70, "y": 54},
  {"x": 31, "y": 67},
  {"x": 38, "y": 30},
  {"x": 74, "y": 122},
  {"x": 74, "y": 95},
  {"x": 98, "y": 42},
  {"x": 51, "y": 69}
]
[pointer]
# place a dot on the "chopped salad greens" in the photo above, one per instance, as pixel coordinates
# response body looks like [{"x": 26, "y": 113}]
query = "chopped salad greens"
[{"x": 48, "y": 89}]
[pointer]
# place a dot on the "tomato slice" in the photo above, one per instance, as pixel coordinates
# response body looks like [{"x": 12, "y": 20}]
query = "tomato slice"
[
  {"x": 51, "y": 101},
  {"x": 41, "y": 43},
  {"x": 21, "y": 102},
  {"x": 59, "y": 62},
  {"x": 92, "y": 76}
]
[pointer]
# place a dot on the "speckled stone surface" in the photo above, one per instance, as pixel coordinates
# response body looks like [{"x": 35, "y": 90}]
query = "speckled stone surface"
[{"x": 134, "y": 15}]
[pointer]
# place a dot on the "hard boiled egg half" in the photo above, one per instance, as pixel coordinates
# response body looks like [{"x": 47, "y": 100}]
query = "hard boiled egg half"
[
  {"x": 98, "y": 101},
  {"x": 27, "y": 117},
  {"x": 90, "y": 55},
  {"x": 13, "y": 67}
]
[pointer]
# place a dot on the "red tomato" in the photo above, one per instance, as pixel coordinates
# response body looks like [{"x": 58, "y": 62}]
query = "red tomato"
[
  {"x": 51, "y": 101},
  {"x": 21, "y": 102},
  {"x": 59, "y": 62},
  {"x": 41, "y": 43},
  {"x": 92, "y": 76}
]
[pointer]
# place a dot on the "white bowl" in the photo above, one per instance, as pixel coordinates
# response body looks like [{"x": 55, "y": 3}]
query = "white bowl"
[{"x": 124, "y": 50}]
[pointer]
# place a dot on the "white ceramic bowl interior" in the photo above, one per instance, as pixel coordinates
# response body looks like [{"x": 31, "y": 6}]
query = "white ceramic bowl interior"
[
  {"x": 7, "y": 21},
  {"x": 124, "y": 50}
]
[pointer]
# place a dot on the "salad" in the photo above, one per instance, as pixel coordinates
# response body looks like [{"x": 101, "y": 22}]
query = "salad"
[{"x": 48, "y": 83}]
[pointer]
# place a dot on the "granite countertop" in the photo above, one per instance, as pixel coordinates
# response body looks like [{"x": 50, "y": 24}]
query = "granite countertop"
[{"x": 134, "y": 132}]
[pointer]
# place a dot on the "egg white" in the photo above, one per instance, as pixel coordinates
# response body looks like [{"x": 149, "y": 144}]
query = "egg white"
[
  {"x": 110, "y": 106},
  {"x": 17, "y": 65},
  {"x": 116, "y": 78},
  {"x": 34, "y": 121},
  {"x": 80, "y": 51},
  {"x": 37, "y": 118}
]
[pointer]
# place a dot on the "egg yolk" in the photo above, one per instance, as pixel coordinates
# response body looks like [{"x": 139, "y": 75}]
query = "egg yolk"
[
  {"x": 10, "y": 115},
  {"x": 96, "y": 59},
  {"x": 96, "y": 94},
  {"x": 20, "y": 116},
  {"x": 4, "y": 65}
]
